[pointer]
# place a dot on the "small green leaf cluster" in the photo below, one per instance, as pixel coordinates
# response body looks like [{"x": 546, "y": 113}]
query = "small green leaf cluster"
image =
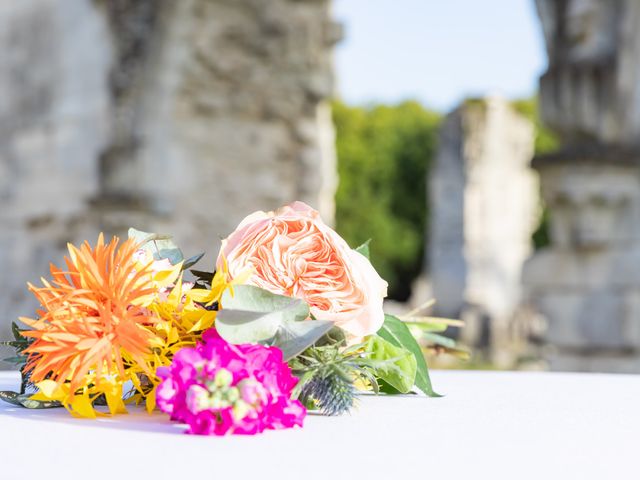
[
  {"x": 317, "y": 353},
  {"x": 22, "y": 399},
  {"x": 162, "y": 247},
  {"x": 329, "y": 371},
  {"x": 19, "y": 343},
  {"x": 253, "y": 315}
]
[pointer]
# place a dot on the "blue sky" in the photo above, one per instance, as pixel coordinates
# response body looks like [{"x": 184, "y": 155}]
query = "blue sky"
[{"x": 437, "y": 51}]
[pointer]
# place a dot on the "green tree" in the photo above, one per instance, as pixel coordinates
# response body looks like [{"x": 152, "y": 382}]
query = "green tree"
[
  {"x": 384, "y": 154},
  {"x": 545, "y": 141}
]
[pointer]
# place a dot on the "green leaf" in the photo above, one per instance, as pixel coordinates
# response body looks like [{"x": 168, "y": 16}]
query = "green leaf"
[
  {"x": 19, "y": 360},
  {"x": 384, "y": 387},
  {"x": 254, "y": 299},
  {"x": 335, "y": 336},
  {"x": 191, "y": 261},
  {"x": 427, "y": 326},
  {"x": 440, "y": 340},
  {"x": 395, "y": 331},
  {"x": 295, "y": 337},
  {"x": 397, "y": 366},
  {"x": 17, "y": 332},
  {"x": 459, "y": 353},
  {"x": 254, "y": 315},
  {"x": 364, "y": 249},
  {"x": 160, "y": 246},
  {"x": 24, "y": 400},
  {"x": 244, "y": 326}
]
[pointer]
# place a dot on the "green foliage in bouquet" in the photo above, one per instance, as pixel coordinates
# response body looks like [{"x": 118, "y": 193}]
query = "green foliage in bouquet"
[
  {"x": 327, "y": 376},
  {"x": 22, "y": 398},
  {"x": 253, "y": 315},
  {"x": 330, "y": 370},
  {"x": 19, "y": 344},
  {"x": 162, "y": 247}
]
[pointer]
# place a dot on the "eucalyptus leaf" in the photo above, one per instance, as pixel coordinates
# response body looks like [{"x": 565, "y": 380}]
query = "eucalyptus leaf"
[
  {"x": 395, "y": 331},
  {"x": 244, "y": 326},
  {"x": 254, "y": 299},
  {"x": 335, "y": 336},
  {"x": 364, "y": 249},
  {"x": 398, "y": 366},
  {"x": 253, "y": 315},
  {"x": 191, "y": 261},
  {"x": 160, "y": 246},
  {"x": 295, "y": 337}
]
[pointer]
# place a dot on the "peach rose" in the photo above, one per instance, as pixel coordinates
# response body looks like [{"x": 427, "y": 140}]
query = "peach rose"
[{"x": 293, "y": 252}]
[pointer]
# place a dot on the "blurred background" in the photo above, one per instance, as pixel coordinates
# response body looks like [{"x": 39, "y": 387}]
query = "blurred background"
[{"x": 491, "y": 150}]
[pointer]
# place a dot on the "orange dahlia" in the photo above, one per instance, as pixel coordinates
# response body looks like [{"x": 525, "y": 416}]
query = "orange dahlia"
[{"x": 94, "y": 322}]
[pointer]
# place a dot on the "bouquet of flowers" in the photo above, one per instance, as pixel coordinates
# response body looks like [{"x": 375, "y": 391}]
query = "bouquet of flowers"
[{"x": 291, "y": 320}]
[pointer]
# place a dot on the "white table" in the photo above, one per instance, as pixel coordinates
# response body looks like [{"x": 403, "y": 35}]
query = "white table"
[{"x": 489, "y": 425}]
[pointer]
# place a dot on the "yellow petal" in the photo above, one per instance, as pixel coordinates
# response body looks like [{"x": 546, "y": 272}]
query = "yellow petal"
[
  {"x": 81, "y": 407},
  {"x": 204, "y": 322},
  {"x": 151, "y": 401},
  {"x": 200, "y": 295},
  {"x": 173, "y": 336},
  {"x": 51, "y": 390},
  {"x": 114, "y": 401}
]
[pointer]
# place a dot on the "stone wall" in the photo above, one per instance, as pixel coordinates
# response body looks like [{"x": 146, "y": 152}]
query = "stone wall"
[
  {"x": 484, "y": 204},
  {"x": 178, "y": 117},
  {"x": 53, "y": 125},
  {"x": 586, "y": 283},
  {"x": 591, "y": 89}
]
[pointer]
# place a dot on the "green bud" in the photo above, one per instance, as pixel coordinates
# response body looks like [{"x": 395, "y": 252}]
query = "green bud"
[
  {"x": 223, "y": 378},
  {"x": 232, "y": 395},
  {"x": 240, "y": 410}
]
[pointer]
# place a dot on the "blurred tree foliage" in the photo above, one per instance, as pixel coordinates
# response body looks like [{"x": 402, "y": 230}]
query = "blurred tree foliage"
[
  {"x": 546, "y": 141},
  {"x": 384, "y": 154}
]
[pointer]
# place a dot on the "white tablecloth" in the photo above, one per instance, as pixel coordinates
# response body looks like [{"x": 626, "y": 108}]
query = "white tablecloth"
[{"x": 489, "y": 425}]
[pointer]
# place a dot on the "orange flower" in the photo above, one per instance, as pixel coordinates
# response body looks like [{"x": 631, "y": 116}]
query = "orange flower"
[{"x": 94, "y": 321}]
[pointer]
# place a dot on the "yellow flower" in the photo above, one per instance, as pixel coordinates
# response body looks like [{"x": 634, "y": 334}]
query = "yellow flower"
[
  {"x": 114, "y": 316},
  {"x": 184, "y": 314}
]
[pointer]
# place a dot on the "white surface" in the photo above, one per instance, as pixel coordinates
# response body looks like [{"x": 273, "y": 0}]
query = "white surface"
[{"x": 489, "y": 425}]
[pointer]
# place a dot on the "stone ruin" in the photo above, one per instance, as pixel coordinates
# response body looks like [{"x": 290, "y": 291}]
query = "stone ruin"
[
  {"x": 484, "y": 208},
  {"x": 178, "y": 117},
  {"x": 587, "y": 282}
]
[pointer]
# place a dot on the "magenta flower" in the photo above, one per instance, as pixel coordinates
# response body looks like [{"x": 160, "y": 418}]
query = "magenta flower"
[{"x": 218, "y": 388}]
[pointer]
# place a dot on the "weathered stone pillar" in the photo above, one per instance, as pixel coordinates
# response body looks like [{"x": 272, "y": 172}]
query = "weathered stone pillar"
[
  {"x": 228, "y": 101},
  {"x": 587, "y": 282},
  {"x": 483, "y": 205},
  {"x": 177, "y": 117},
  {"x": 54, "y": 59}
]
